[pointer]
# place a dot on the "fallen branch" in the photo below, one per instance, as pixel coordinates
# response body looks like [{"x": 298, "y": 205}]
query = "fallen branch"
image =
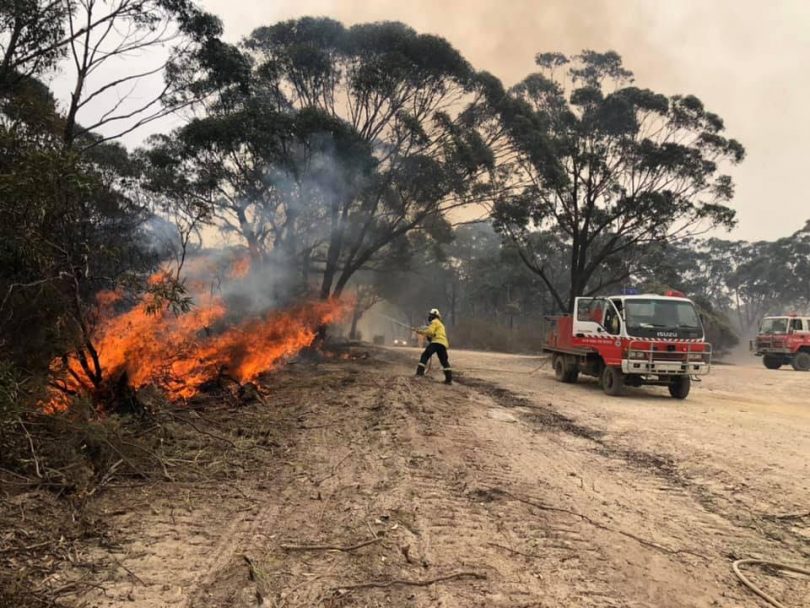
[
  {"x": 331, "y": 547},
  {"x": 251, "y": 567},
  {"x": 425, "y": 583},
  {"x": 125, "y": 459},
  {"x": 202, "y": 431},
  {"x": 255, "y": 575},
  {"x": 335, "y": 468},
  {"x": 31, "y": 444},
  {"x": 28, "y": 548},
  {"x": 150, "y": 453},
  {"x": 134, "y": 576}
]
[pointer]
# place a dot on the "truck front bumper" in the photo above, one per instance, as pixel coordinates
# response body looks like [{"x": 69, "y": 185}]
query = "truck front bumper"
[
  {"x": 642, "y": 358},
  {"x": 782, "y": 352},
  {"x": 671, "y": 368}
]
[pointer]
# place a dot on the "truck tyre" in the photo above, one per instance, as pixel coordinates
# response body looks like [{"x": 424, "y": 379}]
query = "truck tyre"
[
  {"x": 679, "y": 387},
  {"x": 612, "y": 381},
  {"x": 801, "y": 361},
  {"x": 564, "y": 372},
  {"x": 559, "y": 367},
  {"x": 772, "y": 361}
]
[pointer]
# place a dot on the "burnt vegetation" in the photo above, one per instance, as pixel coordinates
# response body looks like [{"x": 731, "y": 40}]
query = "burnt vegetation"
[{"x": 369, "y": 161}]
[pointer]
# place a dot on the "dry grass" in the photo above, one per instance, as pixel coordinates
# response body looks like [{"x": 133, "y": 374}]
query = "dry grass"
[{"x": 53, "y": 466}]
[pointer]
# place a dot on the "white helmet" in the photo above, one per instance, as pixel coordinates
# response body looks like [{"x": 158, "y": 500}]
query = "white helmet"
[{"x": 434, "y": 312}]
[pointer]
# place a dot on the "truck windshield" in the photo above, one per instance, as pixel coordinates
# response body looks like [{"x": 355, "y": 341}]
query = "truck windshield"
[
  {"x": 774, "y": 326},
  {"x": 662, "y": 318}
]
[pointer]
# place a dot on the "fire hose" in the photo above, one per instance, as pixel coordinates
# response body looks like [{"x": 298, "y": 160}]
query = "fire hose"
[
  {"x": 508, "y": 371},
  {"x": 787, "y": 567},
  {"x": 735, "y": 566},
  {"x": 473, "y": 369}
]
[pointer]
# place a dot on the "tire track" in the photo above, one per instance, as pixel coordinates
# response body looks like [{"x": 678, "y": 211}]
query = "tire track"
[
  {"x": 463, "y": 519},
  {"x": 663, "y": 477}
]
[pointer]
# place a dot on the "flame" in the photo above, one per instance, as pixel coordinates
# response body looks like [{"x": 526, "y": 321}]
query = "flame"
[
  {"x": 179, "y": 353},
  {"x": 240, "y": 267}
]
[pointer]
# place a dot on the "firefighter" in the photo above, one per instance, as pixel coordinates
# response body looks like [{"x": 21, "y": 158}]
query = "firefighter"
[{"x": 437, "y": 344}]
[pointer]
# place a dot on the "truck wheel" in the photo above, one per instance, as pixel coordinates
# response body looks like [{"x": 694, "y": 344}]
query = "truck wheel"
[
  {"x": 679, "y": 387},
  {"x": 801, "y": 362},
  {"x": 559, "y": 368},
  {"x": 563, "y": 372},
  {"x": 772, "y": 362},
  {"x": 612, "y": 381}
]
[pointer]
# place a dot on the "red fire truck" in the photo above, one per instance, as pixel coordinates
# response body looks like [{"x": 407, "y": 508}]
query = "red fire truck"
[
  {"x": 631, "y": 340},
  {"x": 784, "y": 340}
]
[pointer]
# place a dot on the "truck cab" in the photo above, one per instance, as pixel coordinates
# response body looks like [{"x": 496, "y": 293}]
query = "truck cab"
[
  {"x": 631, "y": 340},
  {"x": 783, "y": 340}
]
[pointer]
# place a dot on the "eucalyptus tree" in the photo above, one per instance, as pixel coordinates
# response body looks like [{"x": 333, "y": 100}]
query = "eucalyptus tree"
[
  {"x": 332, "y": 142},
  {"x": 71, "y": 214},
  {"x": 611, "y": 167},
  {"x": 771, "y": 277},
  {"x": 31, "y": 38}
]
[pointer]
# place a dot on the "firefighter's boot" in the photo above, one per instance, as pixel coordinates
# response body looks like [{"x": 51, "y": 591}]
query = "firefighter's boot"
[
  {"x": 420, "y": 370},
  {"x": 448, "y": 376}
]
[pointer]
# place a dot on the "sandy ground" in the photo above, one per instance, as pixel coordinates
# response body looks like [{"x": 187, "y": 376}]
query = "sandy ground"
[{"x": 505, "y": 490}]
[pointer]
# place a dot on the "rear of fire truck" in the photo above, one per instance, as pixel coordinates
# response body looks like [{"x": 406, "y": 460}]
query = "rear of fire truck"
[{"x": 631, "y": 340}]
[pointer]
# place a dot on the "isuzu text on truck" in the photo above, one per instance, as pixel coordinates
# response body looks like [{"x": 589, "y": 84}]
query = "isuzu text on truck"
[
  {"x": 631, "y": 340},
  {"x": 784, "y": 341}
]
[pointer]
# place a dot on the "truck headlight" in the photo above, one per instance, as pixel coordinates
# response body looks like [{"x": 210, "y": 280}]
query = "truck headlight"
[
  {"x": 696, "y": 356},
  {"x": 637, "y": 354}
]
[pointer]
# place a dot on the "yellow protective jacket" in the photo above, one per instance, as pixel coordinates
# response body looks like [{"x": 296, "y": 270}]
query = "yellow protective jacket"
[{"x": 435, "y": 332}]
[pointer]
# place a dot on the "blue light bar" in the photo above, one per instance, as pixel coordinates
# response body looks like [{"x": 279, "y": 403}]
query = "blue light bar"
[{"x": 629, "y": 291}]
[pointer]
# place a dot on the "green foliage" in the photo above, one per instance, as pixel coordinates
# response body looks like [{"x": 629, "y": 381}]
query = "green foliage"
[
  {"x": 720, "y": 331},
  {"x": 168, "y": 293},
  {"x": 475, "y": 279},
  {"x": 735, "y": 283},
  {"x": 607, "y": 167},
  {"x": 68, "y": 228},
  {"x": 765, "y": 277},
  {"x": 30, "y": 35},
  {"x": 483, "y": 334},
  {"x": 72, "y": 213},
  {"x": 324, "y": 145}
]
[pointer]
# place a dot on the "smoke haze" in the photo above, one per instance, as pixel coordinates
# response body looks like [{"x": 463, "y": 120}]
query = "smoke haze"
[{"x": 746, "y": 60}]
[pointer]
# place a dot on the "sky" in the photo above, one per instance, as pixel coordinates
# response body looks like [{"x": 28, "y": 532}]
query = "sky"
[{"x": 746, "y": 59}]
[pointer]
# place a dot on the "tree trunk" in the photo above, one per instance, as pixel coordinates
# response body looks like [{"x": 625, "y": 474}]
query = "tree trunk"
[
  {"x": 355, "y": 318},
  {"x": 11, "y": 48}
]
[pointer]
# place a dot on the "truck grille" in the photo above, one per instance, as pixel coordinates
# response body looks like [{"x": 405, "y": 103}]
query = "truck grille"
[{"x": 669, "y": 356}]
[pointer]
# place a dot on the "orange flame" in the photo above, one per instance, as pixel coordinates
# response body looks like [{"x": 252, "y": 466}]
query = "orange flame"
[
  {"x": 240, "y": 267},
  {"x": 181, "y": 353}
]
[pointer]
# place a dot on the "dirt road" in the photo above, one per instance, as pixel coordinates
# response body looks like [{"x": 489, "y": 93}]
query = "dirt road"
[{"x": 505, "y": 490}]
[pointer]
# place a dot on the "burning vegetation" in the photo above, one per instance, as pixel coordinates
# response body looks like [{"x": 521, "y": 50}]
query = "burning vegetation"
[{"x": 147, "y": 342}]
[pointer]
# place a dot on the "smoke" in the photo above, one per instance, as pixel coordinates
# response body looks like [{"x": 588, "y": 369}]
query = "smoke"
[{"x": 743, "y": 59}]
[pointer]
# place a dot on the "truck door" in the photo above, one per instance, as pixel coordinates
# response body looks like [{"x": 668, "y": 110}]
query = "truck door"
[{"x": 590, "y": 315}]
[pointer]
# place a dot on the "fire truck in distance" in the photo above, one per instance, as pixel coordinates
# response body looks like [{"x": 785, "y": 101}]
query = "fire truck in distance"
[
  {"x": 782, "y": 341},
  {"x": 631, "y": 340}
]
